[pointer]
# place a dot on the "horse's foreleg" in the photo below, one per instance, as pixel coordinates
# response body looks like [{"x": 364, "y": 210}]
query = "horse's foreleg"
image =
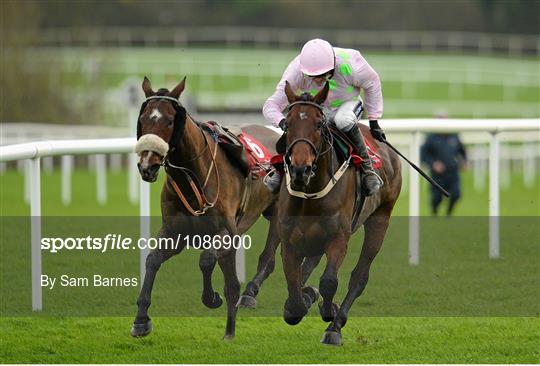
[
  {"x": 299, "y": 301},
  {"x": 267, "y": 261},
  {"x": 142, "y": 325},
  {"x": 207, "y": 263},
  {"x": 309, "y": 264},
  {"x": 335, "y": 253},
  {"x": 375, "y": 229},
  {"x": 227, "y": 262}
]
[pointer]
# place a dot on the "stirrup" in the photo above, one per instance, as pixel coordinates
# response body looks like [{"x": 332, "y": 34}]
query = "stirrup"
[
  {"x": 372, "y": 172},
  {"x": 272, "y": 180}
]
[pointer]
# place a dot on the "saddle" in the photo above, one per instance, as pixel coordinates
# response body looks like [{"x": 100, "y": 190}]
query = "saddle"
[
  {"x": 248, "y": 154},
  {"x": 345, "y": 148}
]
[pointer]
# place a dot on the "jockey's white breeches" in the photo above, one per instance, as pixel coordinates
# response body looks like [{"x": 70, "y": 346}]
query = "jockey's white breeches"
[{"x": 344, "y": 117}]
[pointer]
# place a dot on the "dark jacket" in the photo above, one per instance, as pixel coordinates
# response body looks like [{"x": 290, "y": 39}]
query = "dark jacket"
[{"x": 446, "y": 148}]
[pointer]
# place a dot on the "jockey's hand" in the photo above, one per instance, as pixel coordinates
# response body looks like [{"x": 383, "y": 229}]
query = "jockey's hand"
[
  {"x": 283, "y": 124},
  {"x": 376, "y": 131}
]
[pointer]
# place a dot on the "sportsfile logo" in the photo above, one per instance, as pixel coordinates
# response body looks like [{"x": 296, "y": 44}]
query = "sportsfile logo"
[{"x": 120, "y": 242}]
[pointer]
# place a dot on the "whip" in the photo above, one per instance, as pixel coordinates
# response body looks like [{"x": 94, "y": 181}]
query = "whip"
[{"x": 428, "y": 178}]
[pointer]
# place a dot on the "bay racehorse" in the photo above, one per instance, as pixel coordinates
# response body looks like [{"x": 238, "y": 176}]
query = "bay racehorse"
[
  {"x": 314, "y": 221},
  {"x": 204, "y": 193}
]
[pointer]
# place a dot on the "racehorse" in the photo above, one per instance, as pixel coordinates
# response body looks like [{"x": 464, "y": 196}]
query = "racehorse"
[
  {"x": 205, "y": 193},
  {"x": 312, "y": 224}
]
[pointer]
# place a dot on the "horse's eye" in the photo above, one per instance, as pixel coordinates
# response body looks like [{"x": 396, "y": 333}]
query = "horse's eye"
[{"x": 170, "y": 123}]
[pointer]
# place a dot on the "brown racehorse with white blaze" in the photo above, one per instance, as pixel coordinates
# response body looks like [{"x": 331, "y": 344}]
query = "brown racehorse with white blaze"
[
  {"x": 202, "y": 195},
  {"x": 313, "y": 227}
]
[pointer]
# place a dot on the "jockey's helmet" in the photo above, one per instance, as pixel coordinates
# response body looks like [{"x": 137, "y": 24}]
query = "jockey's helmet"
[{"x": 317, "y": 57}]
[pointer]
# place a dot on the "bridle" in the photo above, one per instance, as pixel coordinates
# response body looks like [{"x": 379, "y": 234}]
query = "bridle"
[
  {"x": 327, "y": 138},
  {"x": 326, "y": 135},
  {"x": 196, "y": 187}
]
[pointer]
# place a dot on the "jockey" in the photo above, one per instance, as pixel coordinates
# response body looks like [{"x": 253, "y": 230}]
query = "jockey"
[{"x": 346, "y": 72}]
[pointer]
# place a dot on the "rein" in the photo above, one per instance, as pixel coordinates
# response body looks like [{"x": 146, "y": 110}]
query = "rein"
[
  {"x": 195, "y": 185},
  {"x": 198, "y": 190}
]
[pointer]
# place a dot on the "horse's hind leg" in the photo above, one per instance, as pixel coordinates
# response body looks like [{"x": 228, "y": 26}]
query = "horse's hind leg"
[
  {"x": 335, "y": 252},
  {"x": 227, "y": 262},
  {"x": 375, "y": 230},
  {"x": 207, "y": 263},
  {"x": 267, "y": 261}
]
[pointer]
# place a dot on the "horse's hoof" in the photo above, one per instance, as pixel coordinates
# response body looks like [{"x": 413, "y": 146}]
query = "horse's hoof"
[
  {"x": 328, "y": 314},
  {"x": 228, "y": 337},
  {"x": 141, "y": 329},
  {"x": 311, "y": 294},
  {"x": 214, "y": 303},
  {"x": 331, "y": 338},
  {"x": 291, "y": 319},
  {"x": 246, "y": 301}
]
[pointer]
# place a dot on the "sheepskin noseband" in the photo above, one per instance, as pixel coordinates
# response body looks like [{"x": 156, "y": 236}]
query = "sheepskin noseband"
[{"x": 151, "y": 142}]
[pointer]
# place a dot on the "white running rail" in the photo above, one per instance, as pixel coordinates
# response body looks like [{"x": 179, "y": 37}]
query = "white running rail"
[{"x": 36, "y": 150}]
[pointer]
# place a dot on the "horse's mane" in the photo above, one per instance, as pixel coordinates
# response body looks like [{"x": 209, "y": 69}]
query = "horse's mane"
[
  {"x": 165, "y": 92},
  {"x": 162, "y": 92},
  {"x": 305, "y": 97}
]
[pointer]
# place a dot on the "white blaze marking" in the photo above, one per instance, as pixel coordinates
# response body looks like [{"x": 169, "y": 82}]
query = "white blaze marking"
[
  {"x": 155, "y": 114},
  {"x": 303, "y": 115},
  {"x": 146, "y": 159}
]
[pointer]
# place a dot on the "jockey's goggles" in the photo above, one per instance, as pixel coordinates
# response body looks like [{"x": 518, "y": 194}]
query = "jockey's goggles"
[{"x": 326, "y": 76}]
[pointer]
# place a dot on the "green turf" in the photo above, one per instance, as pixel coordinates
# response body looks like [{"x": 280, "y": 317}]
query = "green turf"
[
  {"x": 516, "y": 200},
  {"x": 269, "y": 340},
  {"x": 454, "y": 277}
]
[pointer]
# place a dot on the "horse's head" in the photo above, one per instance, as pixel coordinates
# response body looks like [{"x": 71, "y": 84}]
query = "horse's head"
[
  {"x": 160, "y": 125},
  {"x": 305, "y": 128}
]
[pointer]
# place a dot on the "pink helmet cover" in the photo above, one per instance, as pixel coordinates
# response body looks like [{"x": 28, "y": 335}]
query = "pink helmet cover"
[{"x": 317, "y": 57}]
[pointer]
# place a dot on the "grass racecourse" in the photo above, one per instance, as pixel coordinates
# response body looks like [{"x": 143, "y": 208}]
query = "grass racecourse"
[{"x": 457, "y": 306}]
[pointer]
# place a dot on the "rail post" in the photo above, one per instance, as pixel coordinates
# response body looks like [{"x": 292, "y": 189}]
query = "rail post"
[
  {"x": 35, "y": 228},
  {"x": 414, "y": 203},
  {"x": 144, "y": 212},
  {"x": 494, "y": 156}
]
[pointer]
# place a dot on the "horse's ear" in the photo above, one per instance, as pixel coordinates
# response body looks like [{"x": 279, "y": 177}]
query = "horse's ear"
[
  {"x": 322, "y": 94},
  {"x": 147, "y": 87},
  {"x": 175, "y": 93},
  {"x": 291, "y": 97}
]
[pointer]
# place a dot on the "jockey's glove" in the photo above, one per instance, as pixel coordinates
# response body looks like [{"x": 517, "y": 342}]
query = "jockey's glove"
[
  {"x": 283, "y": 124},
  {"x": 376, "y": 131}
]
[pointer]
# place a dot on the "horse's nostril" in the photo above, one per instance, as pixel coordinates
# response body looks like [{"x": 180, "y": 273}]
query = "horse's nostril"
[{"x": 153, "y": 169}]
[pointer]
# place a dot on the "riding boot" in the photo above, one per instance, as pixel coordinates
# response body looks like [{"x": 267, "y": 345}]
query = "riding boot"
[{"x": 371, "y": 182}]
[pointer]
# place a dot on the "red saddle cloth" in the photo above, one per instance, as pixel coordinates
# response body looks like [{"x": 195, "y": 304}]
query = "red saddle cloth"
[
  {"x": 376, "y": 160},
  {"x": 258, "y": 156}
]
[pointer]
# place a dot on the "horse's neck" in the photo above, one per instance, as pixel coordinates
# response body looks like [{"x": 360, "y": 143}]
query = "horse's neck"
[{"x": 191, "y": 144}]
